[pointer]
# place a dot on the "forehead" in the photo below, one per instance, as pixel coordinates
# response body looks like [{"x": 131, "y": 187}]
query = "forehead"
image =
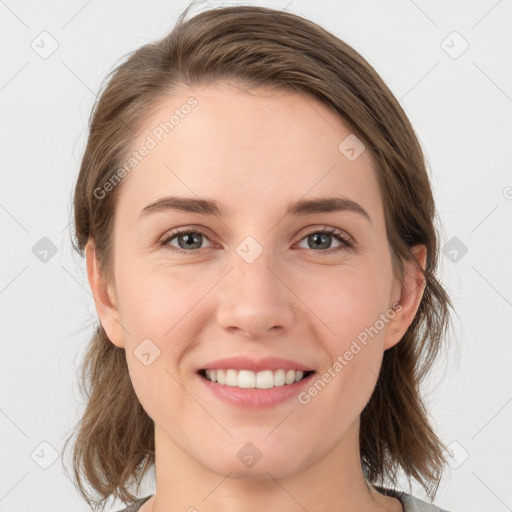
[{"x": 246, "y": 148}]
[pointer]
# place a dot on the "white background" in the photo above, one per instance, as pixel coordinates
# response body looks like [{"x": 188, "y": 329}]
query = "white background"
[{"x": 461, "y": 109}]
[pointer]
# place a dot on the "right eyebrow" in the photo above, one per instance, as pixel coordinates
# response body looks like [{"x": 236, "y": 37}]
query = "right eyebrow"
[{"x": 184, "y": 204}]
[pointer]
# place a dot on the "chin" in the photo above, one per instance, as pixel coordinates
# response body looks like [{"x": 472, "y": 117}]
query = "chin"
[
  {"x": 260, "y": 472},
  {"x": 247, "y": 462}
]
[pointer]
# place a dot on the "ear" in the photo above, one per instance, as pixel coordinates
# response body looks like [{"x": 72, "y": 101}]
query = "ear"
[
  {"x": 410, "y": 295},
  {"x": 104, "y": 297}
]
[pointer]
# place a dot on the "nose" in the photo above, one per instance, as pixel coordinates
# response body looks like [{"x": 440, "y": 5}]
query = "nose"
[{"x": 254, "y": 299}]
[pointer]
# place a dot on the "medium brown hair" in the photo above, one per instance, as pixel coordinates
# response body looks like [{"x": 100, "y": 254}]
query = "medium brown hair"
[{"x": 114, "y": 446}]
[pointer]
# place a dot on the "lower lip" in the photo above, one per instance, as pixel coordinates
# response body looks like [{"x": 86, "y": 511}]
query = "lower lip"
[{"x": 255, "y": 398}]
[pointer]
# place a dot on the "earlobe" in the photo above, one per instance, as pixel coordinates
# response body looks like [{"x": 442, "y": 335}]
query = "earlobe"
[
  {"x": 104, "y": 297},
  {"x": 411, "y": 293}
]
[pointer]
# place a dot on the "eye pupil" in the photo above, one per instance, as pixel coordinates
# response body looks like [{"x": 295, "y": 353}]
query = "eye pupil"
[
  {"x": 189, "y": 240},
  {"x": 322, "y": 237}
]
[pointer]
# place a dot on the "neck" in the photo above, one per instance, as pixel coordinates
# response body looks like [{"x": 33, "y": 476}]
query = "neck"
[{"x": 332, "y": 481}]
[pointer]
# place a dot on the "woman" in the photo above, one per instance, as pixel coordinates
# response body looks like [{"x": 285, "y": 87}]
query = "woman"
[{"x": 257, "y": 222}]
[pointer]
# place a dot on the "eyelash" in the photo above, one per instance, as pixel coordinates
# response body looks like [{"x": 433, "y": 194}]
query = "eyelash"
[{"x": 339, "y": 235}]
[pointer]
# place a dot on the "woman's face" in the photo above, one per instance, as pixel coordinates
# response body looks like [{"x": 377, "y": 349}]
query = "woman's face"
[{"x": 256, "y": 279}]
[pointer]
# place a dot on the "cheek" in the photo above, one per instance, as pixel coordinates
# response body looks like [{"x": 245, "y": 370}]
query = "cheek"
[
  {"x": 155, "y": 300},
  {"x": 348, "y": 299},
  {"x": 355, "y": 307},
  {"x": 158, "y": 309}
]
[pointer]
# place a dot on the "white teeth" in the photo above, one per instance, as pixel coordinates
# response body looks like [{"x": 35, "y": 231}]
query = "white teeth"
[
  {"x": 290, "y": 377},
  {"x": 231, "y": 378},
  {"x": 246, "y": 379},
  {"x": 250, "y": 380},
  {"x": 279, "y": 378},
  {"x": 265, "y": 379}
]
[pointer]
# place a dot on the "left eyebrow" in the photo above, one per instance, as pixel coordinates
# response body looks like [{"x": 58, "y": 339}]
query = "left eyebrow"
[{"x": 326, "y": 205}]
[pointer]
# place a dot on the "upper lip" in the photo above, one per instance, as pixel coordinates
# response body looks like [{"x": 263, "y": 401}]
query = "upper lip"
[{"x": 256, "y": 365}]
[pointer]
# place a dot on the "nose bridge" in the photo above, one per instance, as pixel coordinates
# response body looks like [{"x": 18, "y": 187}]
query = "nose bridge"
[
  {"x": 252, "y": 268},
  {"x": 253, "y": 298}
]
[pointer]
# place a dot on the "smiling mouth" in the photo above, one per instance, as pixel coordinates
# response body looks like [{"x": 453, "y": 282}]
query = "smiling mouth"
[{"x": 254, "y": 380}]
